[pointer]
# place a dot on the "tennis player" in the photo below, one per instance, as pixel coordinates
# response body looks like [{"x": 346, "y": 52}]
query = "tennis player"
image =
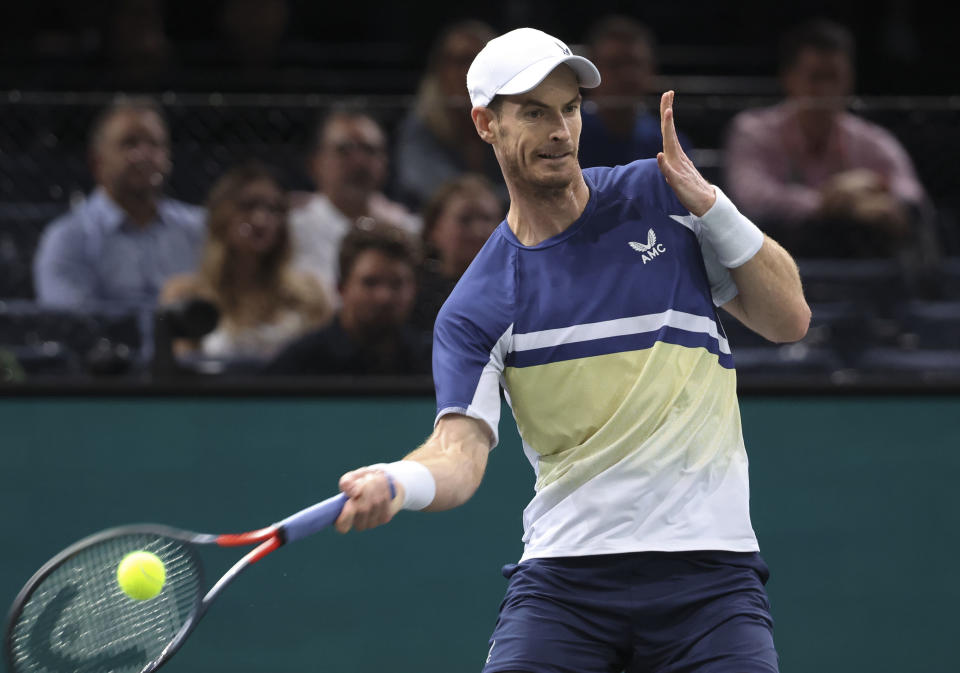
[{"x": 593, "y": 306}]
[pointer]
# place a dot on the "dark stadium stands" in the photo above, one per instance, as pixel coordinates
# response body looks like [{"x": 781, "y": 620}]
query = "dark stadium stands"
[{"x": 867, "y": 314}]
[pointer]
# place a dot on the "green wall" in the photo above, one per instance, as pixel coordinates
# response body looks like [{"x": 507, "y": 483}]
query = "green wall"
[{"x": 854, "y": 501}]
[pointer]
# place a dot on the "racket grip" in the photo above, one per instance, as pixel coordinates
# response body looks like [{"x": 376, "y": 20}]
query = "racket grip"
[{"x": 315, "y": 518}]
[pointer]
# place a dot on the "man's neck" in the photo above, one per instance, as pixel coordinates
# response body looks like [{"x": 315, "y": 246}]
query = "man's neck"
[
  {"x": 364, "y": 335},
  {"x": 244, "y": 270},
  {"x": 351, "y": 206},
  {"x": 816, "y": 132},
  {"x": 538, "y": 214},
  {"x": 140, "y": 209}
]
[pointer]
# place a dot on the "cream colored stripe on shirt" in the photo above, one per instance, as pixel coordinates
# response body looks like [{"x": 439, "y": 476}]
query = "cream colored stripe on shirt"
[{"x": 620, "y": 327}]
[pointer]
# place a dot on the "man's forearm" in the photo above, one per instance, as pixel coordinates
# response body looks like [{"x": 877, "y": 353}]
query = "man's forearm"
[
  {"x": 443, "y": 473},
  {"x": 770, "y": 299},
  {"x": 456, "y": 455}
]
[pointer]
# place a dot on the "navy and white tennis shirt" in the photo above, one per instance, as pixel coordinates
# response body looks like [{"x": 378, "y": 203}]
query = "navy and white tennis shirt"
[{"x": 606, "y": 342}]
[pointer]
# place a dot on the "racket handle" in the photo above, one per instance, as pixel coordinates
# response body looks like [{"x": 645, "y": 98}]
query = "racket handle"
[{"x": 315, "y": 518}]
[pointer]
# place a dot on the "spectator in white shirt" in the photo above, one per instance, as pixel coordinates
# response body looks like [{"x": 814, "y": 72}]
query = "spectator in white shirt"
[{"x": 349, "y": 168}]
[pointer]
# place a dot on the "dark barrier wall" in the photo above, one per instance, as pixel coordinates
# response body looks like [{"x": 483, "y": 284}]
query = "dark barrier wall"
[{"x": 855, "y": 502}]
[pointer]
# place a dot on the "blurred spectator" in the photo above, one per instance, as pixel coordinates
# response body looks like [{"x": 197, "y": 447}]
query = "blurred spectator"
[
  {"x": 135, "y": 40},
  {"x": 349, "y": 168},
  {"x": 246, "y": 272},
  {"x": 821, "y": 180},
  {"x": 436, "y": 141},
  {"x": 457, "y": 221},
  {"x": 253, "y": 30},
  {"x": 371, "y": 334},
  {"x": 126, "y": 239},
  {"x": 618, "y": 127}
]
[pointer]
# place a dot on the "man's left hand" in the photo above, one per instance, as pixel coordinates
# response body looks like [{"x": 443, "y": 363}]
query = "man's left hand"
[{"x": 694, "y": 192}]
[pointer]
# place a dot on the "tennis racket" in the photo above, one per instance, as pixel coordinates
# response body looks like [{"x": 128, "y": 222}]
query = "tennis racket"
[{"x": 73, "y": 617}]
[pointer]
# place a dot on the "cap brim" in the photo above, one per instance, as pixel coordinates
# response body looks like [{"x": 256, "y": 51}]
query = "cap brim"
[{"x": 531, "y": 76}]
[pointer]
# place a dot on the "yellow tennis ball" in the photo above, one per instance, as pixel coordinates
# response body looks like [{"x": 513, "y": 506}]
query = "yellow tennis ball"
[{"x": 141, "y": 575}]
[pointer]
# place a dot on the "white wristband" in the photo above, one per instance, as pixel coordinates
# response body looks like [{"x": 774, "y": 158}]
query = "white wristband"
[
  {"x": 732, "y": 236},
  {"x": 419, "y": 486}
]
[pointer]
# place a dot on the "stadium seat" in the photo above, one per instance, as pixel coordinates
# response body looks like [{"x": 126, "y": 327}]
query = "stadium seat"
[
  {"x": 798, "y": 358},
  {"x": 838, "y": 332},
  {"x": 20, "y": 228},
  {"x": 927, "y": 365},
  {"x": 106, "y": 341},
  {"x": 950, "y": 278},
  {"x": 929, "y": 324},
  {"x": 865, "y": 281}
]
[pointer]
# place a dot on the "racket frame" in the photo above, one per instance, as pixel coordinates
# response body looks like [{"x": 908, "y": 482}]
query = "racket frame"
[
  {"x": 81, "y": 545},
  {"x": 297, "y": 526}
]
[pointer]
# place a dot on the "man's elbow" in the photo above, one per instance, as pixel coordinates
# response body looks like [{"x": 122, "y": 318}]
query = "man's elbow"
[{"x": 794, "y": 326}]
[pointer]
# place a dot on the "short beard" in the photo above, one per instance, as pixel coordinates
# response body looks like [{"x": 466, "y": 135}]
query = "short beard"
[
  {"x": 542, "y": 189},
  {"x": 139, "y": 192}
]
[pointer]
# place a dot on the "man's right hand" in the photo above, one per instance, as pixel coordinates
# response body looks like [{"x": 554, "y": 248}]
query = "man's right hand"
[{"x": 369, "y": 504}]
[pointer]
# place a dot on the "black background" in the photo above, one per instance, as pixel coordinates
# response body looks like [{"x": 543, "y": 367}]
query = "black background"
[{"x": 902, "y": 47}]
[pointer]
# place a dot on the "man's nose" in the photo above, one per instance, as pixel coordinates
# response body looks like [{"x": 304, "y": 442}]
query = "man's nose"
[
  {"x": 145, "y": 150},
  {"x": 383, "y": 293},
  {"x": 561, "y": 131},
  {"x": 357, "y": 163},
  {"x": 262, "y": 215}
]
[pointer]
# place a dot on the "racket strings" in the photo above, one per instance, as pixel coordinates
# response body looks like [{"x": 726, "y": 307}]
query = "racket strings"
[{"x": 78, "y": 618}]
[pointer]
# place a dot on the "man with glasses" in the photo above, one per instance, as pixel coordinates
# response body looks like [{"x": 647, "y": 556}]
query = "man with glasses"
[{"x": 349, "y": 168}]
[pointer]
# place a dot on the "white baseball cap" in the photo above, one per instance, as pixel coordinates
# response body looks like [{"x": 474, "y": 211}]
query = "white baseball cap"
[{"x": 518, "y": 61}]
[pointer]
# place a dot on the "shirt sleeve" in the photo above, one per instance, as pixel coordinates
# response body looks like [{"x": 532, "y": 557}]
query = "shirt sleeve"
[
  {"x": 468, "y": 364},
  {"x": 898, "y": 167},
  {"x": 753, "y": 177},
  {"x": 62, "y": 274},
  {"x": 722, "y": 286}
]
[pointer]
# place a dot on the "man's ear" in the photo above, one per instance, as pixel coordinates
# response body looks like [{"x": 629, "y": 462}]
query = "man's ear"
[{"x": 485, "y": 121}]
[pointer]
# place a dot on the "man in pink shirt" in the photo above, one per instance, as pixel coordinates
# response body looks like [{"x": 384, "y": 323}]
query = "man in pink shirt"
[{"x": 825, "y": 181}]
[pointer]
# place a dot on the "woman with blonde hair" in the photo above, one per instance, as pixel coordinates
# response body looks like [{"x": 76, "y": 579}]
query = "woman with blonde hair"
[
  {"x": 436, "y": 141},
  {"x": 457, "y": 221},
  {"x": 245, "y": 271}
]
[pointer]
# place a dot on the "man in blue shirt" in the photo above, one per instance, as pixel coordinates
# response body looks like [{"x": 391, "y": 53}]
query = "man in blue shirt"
[
  {"x": 126, "y": 239},
  {"x": 593, "y": 307}
]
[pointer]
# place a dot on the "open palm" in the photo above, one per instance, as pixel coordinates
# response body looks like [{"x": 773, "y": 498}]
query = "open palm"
[{"x": 694, "y": 192}]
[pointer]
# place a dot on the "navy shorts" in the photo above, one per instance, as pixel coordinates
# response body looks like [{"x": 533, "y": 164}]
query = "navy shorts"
[{"x": 647, "y": 612}]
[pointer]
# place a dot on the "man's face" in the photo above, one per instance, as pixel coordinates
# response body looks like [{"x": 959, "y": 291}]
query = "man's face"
[
  {"x": 824, "y": 74},
  {"x": 131, "y": 156},
  {"x": 352, "y": 157},
  {"x": 377, "y": 293},
  {"x": 537, "y": 134},
  {"x": 626, "y": 66},
  {"x": 464, "y": 225}
]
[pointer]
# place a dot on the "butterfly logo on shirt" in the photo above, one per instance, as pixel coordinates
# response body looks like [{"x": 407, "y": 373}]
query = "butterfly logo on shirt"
[{"x": 649, "y": 250}]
